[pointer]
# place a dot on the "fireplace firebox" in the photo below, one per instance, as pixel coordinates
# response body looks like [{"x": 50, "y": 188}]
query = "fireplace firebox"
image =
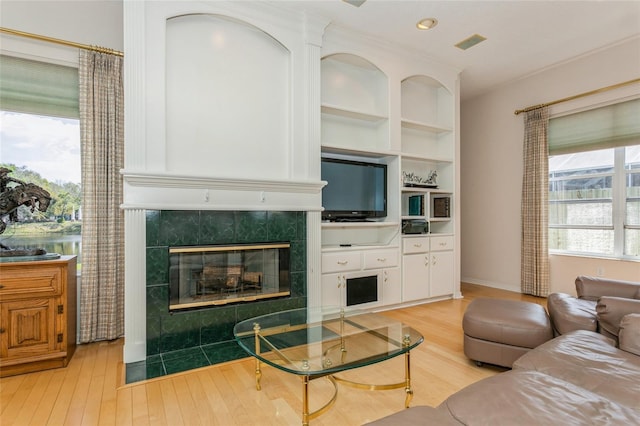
[{"x": 222, "y": 274}]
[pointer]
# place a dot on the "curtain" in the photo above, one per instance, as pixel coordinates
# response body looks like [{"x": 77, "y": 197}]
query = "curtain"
[
  {"x": 534, "y": 272},
  {"x": 102, "y": 144}
]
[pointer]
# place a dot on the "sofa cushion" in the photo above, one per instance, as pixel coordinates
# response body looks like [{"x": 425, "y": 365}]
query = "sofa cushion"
[
  {"x": 521, "y": 397},
  {"x": 592, "y": 288},
  {"x": 611, "y": 310},
  {"x": 568, "y": 313},
  {"x": 591, "y": 361},
  {"x": 629, "y": 336}
]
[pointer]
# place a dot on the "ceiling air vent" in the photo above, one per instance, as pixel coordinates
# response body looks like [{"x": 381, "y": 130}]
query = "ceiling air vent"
[
  {"x": 470, "y": 41},
  {"x": 356, "y": 3}
]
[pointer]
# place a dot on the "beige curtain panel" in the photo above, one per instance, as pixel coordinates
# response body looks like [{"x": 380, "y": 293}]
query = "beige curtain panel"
[
  {"x": 534, "y": 271},
  {"x": 102, "y": 143}
]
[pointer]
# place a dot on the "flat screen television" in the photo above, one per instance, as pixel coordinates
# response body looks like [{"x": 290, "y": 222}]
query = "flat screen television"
[{"x": 355, "y": 190}]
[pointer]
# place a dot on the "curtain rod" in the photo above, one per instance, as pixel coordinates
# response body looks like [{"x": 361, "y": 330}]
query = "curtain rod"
[
  {"x": 581, "y": 95},
  {"x": 62, "y": 42}
]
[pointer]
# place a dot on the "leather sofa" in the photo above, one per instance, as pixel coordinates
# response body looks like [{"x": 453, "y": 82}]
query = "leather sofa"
[
  {"x": 599, "y": 305},
  {"x": 581, "y": 377}
]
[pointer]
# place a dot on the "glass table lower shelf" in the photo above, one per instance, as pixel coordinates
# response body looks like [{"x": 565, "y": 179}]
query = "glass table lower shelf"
[{"x": 313, "y": 343}]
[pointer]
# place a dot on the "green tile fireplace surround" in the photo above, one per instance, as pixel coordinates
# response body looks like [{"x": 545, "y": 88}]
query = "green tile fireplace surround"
[{"x": 185, "y": 340}]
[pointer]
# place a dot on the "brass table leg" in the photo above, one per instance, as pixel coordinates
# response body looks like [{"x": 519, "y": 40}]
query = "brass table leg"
[
  {"x": 407, "y": 378},
  {"x": 305, "y": 400},
  {"x": 256, "y": 331}
]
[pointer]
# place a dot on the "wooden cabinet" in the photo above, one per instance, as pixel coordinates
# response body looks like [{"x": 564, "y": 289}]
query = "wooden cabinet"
[{"x": 37, "y": 315}]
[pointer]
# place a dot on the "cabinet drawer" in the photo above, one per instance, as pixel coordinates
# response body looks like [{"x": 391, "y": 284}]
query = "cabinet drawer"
[
  {"x": 30, "y": 282},
  {"x": 380, "y": 259},
  {"x": 343, "y": 261},
  {"x": 441, "y": 243},
  {"x": 415, "y": 245}
]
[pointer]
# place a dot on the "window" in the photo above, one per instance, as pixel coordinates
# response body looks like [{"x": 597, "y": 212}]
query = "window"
[
  {"x": 40, "y": 135},
  {"x": 594, "y": 182}
]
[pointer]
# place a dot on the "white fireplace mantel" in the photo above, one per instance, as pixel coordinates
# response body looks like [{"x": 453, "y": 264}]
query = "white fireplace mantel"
[{"x": 164, "y": 191}]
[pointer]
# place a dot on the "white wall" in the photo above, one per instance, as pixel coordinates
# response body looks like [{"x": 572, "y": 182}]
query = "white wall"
[
  {"x": 491, "y": 167},
  {"x": 92, "y": 22}
]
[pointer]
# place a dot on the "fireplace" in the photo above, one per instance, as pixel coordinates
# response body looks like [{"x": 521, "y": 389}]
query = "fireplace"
[{"x": 213, "y": 275}]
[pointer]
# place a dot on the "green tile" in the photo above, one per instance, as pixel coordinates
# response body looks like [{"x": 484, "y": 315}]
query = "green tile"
[
  {"x": 224, "y": 351},
  {"x": 298, "y": 254},
  {"x": 157, "y": 262},
  {"x": 179, "y": 228},
  {"x": 183, "y": 360},
  {"x": 251, "y": 227},
  {"x": 216, "y": 324},
  {"x": 282, "y": 226},
  {"x": 180, "y": 331},
  {"x": 217, "y": 227},
  {"x": 153, "y": 227}
]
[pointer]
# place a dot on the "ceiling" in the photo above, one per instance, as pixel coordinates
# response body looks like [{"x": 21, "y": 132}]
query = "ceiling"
[{"x": 523, "y": 37}]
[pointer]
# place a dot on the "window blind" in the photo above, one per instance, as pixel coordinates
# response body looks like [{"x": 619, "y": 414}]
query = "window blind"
[
  {"x": 40, "y": 88},
  {"x": 606, "y": 127}
]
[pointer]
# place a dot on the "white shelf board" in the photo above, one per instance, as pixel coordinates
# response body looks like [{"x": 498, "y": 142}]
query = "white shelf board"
[
  {"x": 351, "y": 113},
  {"x": 353, "y": 225},
  {"x": 420, "y": 125}
]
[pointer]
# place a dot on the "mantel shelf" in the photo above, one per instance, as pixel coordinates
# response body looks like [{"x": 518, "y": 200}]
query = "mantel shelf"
[{"x": 168, "y": 180}]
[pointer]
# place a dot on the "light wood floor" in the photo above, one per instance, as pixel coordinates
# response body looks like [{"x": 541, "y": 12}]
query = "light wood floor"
[{"x": 91, "y": 389}]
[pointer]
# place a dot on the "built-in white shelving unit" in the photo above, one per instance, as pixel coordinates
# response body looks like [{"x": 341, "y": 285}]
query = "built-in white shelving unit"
[{"x": 409, "y": 124}]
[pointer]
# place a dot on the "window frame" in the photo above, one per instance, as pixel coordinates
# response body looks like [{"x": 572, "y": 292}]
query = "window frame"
[{"x": 618, "y": 209}]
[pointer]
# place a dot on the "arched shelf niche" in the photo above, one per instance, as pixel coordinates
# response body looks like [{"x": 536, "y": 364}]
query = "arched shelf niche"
[
  {"x": 355, "y": 104},
  {"x": 228, "y": 99},
  {"x": 427, "y": 118}
]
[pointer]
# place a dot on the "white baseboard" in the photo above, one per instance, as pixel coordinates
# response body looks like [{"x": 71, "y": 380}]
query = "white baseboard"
[{"x": 492, "y": 284}]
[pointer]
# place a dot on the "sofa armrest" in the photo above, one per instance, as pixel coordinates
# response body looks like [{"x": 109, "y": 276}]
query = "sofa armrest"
[
  {"x": 629, "y": 336},
  {"x": 611, "y": 310},
  {"x": 592, "y": 288}
]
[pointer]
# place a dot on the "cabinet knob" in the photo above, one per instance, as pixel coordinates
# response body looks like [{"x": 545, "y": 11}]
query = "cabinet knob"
[
  {"x": 443, "y": 244},
  {"x": 417, "y": 245},
  {"x": 382, "y": 259},
  {"x": 342, "y": 262}
]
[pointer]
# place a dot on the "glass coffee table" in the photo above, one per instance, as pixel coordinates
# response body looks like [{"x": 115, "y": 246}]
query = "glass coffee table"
[{"x": 313, "y": 343}]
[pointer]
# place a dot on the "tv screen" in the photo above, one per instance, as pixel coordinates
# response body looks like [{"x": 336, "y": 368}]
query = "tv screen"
[{"x": 355, "y": 190}]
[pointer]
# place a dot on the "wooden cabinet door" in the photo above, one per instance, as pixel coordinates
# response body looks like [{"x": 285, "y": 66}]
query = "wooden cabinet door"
[{"x": 28, "y": 328}]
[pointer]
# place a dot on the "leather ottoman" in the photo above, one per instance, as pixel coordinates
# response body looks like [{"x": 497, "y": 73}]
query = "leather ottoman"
[{"x": 500, "y": 331}]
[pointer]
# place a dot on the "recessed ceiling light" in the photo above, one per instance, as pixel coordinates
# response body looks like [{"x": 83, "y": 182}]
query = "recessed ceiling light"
[{"x": 427, "y": 23}]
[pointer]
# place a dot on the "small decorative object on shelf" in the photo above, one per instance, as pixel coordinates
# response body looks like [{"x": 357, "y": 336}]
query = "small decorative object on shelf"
[{"x": 413, "y": 180}]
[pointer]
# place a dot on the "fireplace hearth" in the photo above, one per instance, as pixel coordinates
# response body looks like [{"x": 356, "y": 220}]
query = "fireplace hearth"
[{"x": 215, "y": 275}]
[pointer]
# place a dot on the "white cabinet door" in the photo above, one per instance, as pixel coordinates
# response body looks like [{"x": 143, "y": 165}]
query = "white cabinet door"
[
  {"x": 415, "y": 276},
  {"x": 441, "y": 273},
  {"x": 391, "y": 286},
  {"x": 333, "y": 290}
]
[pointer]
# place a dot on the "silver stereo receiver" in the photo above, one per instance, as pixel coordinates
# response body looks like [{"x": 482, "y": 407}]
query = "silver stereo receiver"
[{"x": 415, "y": 226}]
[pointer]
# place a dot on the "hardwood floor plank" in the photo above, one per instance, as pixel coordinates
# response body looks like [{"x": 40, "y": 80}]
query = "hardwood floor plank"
[
  {"x": 25, "y": 415},
  {"x": 91, "y": 389},
  {"x": 169, "y": 403},
  {"x": 19, "y": 400},
  {"x": 124, "y": 407},
  {"x": 157, "y": 414},
  {"x": 140, "y": 409},
  {"x": 10, "y": 386}
]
